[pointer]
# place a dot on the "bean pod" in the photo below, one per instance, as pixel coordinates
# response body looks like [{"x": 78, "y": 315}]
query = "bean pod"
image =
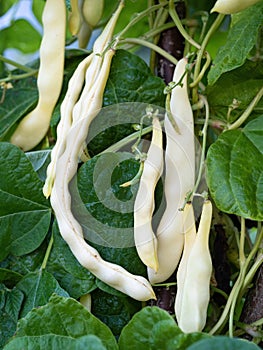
[
  {"x": 194, "y": 284},
  {"x": 35, "y": 125},
  {"x": 144, "y": 237},
  {"x": 179, "y": 177},
  {"x": 228, "y": 7}
]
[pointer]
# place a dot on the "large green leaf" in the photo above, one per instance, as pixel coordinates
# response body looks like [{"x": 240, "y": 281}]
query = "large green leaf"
[
  {"x": 235, "y": 171},
  {"x": 16, "y": 34},
  {"x": 10, "y": 304},
  {"x": 38, "y": 288},
  {"x": 24, "y": 212},
  {"x": 241, "y": 38},
  {"x": 153, "y": 328},
  {"x": 18, "y": 100},
  {"x": 56, "y": 342},
  {"x": 112, "y": 310},
  {"x": 131, "y": 80},
  {"x": 64, "y": 317},
  {"x": 241, "y": 84},
  {"x": 221, "y": 342},
  {"x": 74, "y": 278},
  {"x": 107, "y": 217}
]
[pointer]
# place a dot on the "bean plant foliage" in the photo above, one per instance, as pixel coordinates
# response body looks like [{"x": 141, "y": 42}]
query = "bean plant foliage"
[{"x": 42, "y": 284}]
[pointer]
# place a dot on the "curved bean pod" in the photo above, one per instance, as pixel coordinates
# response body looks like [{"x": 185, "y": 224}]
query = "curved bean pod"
[
  {"x": 34, "y": 126},
  {"x": 228, "y": 7},
  {"x": 74, "y": 19},
  {"x": 112, "y": 274},
  {"x": 189, "y": 239},
  {"x": 74, "y": 88},
  {"x": 179, "y": 177},
  {"x": 196, "y": 286},
  {"x": 145, "y": 240}
]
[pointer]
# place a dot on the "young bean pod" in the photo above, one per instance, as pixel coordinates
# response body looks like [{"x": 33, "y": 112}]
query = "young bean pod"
[
  {"x": 193, "y": 299},
  {"x": 228, "y": 7},
  {"x": 66, "y": 119},
  {"x": 74, "y": 19},
  {"x": 92, "y": 11},
  {"x": 35, "y": 125},
  {"x": 179, "y": 177},
  {"x": 189, "y": 239},
  {"x": 144, "y": 237}
]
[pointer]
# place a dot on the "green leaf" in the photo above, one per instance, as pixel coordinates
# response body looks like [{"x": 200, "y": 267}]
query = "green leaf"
[
  {"x": 221, "y": 342},
  {"x": 38, "y": 288},
  {"x": 18, "y": 101},
  {"x": 235, "y": 172},
  {"x": 64, "y": 317},
  {"x": 138, "y": 333},
  {"x": 10, "y": 304},
  {"x": 9, "y": 277},
  {"x": 74, "y": 278},
  {"x": 40, "y": 161},
  {"x": 112, "y": 310},
  {"x": 25, "y": 263},
  {"x": 25, "y": 215},
  {"x": 242, "y": 37},
  {"x": 107, "y": 217},
  {"x": 153, "y": 328},
  {"x": 138, "y": 84},
  {"x": 241, "y": 84},
  {"x": 37, "y": 8},
  {"x": 14, "y": 36},
  {"x": 56, "y": 342},
  {"x": 5, "y": 5}
]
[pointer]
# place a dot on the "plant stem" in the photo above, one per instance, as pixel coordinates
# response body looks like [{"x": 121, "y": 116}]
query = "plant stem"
[
  {"x": 139, "y": 16},
  {"x": 151, "y": 46},
  {"x": 202, "y": 159},
  {"x": 126, "y": 140},
  {"x": 18, "y": 76},
  {"x": 247, "y": 112},
  {"x": 48, "y": 251},
  {"x": 201, "y": 51},
  {"x": 238, "y": 285},
  {"x": 16, "y": 64},
  {"x": 177, "y": 21},
  {"x": 241, "y": 276}
]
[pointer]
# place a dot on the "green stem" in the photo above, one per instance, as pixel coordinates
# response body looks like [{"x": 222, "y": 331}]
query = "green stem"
[
  {"x": 151, "y": 46},
  {"x": 16, "y": 64},
  {"x": 128, "y": 139},
  {"x": 201, "y": 51},
  {"x": 18, "y": 76},
  {"x": 241, "y": 277},
  {"x": 202, "y": 158},
  {"x": 177, "y": 21},
  {"x": 139, "y": 16},
  {"x": 48, "y": 251},
  {"x": 247, "y": 112},
  {"x": 237, "y": 286},
  {"x": 252, "y": 271},
  {"x": 202, "y": 73}
]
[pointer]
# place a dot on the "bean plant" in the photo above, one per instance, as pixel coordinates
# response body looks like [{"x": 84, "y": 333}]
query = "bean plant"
[{"x": 131, "y": 175}]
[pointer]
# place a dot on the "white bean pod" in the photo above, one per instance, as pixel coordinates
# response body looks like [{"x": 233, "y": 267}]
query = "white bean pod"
[
  {"x": 74, "y": 19},
  {"x": 144, "y": 237},
  {"x": 228, "y": 7},
  {"x": 179, "y": 177},
  {"x": 74, "y": 88},
  {"x": 114, "y": 275},
  {"x": 189, "y": 239},
  {"x": 196, "y": 285},
  {"x": 35, "y": 125}
]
